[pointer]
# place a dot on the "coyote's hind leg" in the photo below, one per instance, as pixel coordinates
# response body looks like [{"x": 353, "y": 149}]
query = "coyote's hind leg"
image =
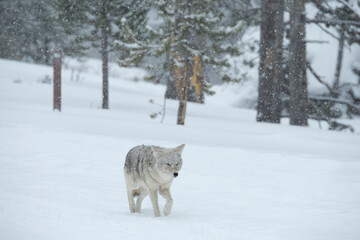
[{"x": 130, "y": 195}]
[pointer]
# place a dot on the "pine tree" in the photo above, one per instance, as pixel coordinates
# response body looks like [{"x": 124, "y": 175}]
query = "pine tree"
[
  {"x": 11, "y": 33},
  {"x": 98, "y": 22},
  {"x": 29, "y": 30},
  {"x": 190, "y": 40}
]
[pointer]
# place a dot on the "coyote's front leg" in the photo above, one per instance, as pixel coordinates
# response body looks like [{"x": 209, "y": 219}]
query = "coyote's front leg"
[
  {"x": 154, "y": 200},
  {"x": 169, "y": 201},
  {"x": 143, "y": 194}
]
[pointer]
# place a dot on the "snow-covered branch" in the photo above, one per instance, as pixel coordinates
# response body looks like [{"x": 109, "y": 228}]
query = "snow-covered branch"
[
  {"x": 227, "y": 30},
  {"x": 333, "y": 21},
  {"x": 328, "y": 32},
  {"x": 317, "y": 77},
  {"x": 329, "y": 99}
]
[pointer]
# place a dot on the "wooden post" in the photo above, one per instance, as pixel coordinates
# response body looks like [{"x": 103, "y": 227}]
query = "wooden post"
[{"x": 57, "y": 79}]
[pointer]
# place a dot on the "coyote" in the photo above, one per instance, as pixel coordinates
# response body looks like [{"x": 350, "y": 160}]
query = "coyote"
[{"x": 149, "y": 169}]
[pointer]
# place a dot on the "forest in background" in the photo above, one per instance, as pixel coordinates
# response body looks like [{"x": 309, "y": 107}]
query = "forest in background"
[{"x": 191, "y": 45}]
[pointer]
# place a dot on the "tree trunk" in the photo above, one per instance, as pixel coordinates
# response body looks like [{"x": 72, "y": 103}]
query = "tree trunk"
[
  {"x": 195, "y": 88},
  {"x": 105, "y": 60},
  {"x": 339, "y": 58},
  {"x": 195, "y": 91},
  {"x": 171, "y": 92},
  {"x": 16, "y": 54},
  {"x": 297, "y": 66},
  {"x": 46, "y": 51},
  {"x": 270, "y": 70},
  {"x": 170, "y": 89},
  {"x": 183, "y": 91}
]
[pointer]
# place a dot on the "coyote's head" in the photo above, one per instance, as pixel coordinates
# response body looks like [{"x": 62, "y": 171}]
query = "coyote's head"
[{"x": 168, "y": 160}]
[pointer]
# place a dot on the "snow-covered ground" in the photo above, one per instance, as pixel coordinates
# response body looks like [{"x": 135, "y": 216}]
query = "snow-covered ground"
[{"x": 61, "y": 173}]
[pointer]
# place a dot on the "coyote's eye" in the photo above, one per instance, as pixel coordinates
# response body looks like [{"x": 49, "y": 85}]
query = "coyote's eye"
[
  {"x": 168, "y": 164},
  {"x": 177, "y": 164}
]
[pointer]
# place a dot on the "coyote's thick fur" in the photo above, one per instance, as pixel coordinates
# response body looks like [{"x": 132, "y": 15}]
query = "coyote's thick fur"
[{"x": 149, "y": 170}]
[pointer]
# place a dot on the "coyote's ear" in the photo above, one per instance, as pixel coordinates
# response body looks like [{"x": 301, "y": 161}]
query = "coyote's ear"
[
  {"x": 155, "y": 150},
  {"x": 180, "y": 148}
]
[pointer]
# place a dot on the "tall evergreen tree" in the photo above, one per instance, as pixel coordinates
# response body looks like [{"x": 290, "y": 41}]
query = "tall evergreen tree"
[
  {"x": 29, "y": 30},
  {"x": 190, "y": 39},
  {"x": 11, "y": 34},
  {"x": 98, "y": 22}
]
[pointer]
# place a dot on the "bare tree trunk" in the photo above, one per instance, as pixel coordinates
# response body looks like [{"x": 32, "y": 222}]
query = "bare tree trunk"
[
  {"x": 170, "y": 89},
  {"x": 297, "y": 65},
  {"x": 105, "y": 60},
  {"x": 270, "y": 71},
  {"x": 266, "y": 63},
  {"x": 171, "y": 92},
  {"x": 16, "y": 49},
  {"x": 339, "y": 58},
  {"x": 278, "y": 61},
  {"x": 46, "y": 51}
]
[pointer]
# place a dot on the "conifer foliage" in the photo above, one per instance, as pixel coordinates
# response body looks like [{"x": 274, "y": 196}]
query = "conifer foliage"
[
  {"x": 29, "y": 30},
  {"x": 98, "y": 22},
  {"x": 190, "y": 39}
]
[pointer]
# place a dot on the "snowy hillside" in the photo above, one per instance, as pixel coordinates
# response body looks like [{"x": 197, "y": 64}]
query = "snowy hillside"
[{"x": 61, "y": 173}]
